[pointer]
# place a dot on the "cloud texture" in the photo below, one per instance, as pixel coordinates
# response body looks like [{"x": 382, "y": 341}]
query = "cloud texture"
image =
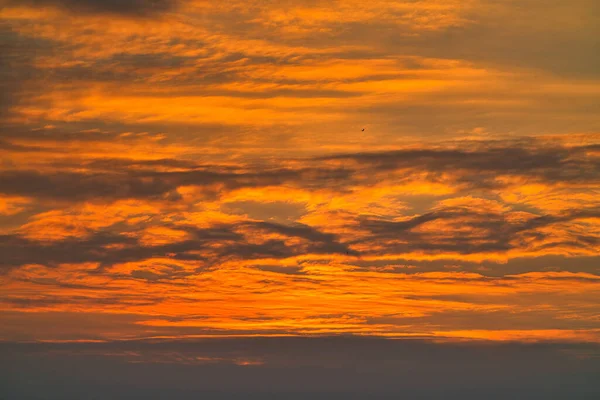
[{"x": 419, "y": 169}]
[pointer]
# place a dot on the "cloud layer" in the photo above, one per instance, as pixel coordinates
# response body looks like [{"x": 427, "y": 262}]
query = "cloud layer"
[
  {"x": 294, "y": 368},
  {"x": 427, "y": 168}
]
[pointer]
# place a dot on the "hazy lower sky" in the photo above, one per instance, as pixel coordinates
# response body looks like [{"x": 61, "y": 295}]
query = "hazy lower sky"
[
  {"x": 298, "y": 369},
  {"x": 197, "y": 168}
]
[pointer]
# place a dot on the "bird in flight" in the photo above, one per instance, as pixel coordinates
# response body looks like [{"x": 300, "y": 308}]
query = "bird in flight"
[{"x": 363, "y": 129}]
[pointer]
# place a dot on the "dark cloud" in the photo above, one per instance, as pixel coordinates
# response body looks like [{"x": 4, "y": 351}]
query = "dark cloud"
[
  {"x": 77, "y": 187},
  {"x": 476, "y": 169},
  {"x": 17, "y": 54},
  {"x": 281, "y": 269},
  {"x": 479, "y": 169},
  {"x": 489, "y": 268},
  {"x": 490, "y": 161},
  {"x": 480, "y": 232},
  {"x": 17, "y": 148},
  {"x": 300, "y": 368},
  {"x": 498, "y": 320},
  {"x": 119, "y": 179},
  {"x": 124, "y": 7},
  {"x": 107, "y": 300},
  {"x": 110, "y": 247}
]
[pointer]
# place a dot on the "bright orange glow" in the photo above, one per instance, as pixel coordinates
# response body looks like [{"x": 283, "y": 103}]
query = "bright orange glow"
[{"x": 380, "y": 168}]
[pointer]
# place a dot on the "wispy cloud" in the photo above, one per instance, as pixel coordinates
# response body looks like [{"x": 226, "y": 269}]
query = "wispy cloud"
[{"x": 414, "y": 168}]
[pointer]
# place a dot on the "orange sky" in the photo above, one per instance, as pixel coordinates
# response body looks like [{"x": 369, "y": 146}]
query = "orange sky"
[{"x": 199, "y": 168}]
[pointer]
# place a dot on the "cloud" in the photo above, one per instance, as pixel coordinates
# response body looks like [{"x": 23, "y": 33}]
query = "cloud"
[
  {"x": 547, "y": 164},
  {"x": 211, "y": 283},
  {"x": 469, "y": 231},
  {"x": 79, "y": 187},
  {"x": 211, "y": 246},
  {"x": 399, "y": 66},
  {"x": 482, "y": 168},
  {"x": 323, "y": 368},
  {"x": 122, "y": 7},
  {"x": 203, "y": 166},
  {"x": 359, "y": 204},
  {"x": 17, "y": 54}
]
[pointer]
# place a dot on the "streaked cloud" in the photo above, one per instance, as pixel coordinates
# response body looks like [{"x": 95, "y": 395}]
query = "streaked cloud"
[
  {"x": 405, "y": 169},
  {"x": 124, "y": 7}
]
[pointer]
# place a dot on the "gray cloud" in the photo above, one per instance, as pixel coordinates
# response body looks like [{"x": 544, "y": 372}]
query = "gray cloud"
[
  {"x": 480, "y": 167},
  {"x": 124, "y": 7},
  {"x": 487, "y": 232},
  {"x": 514, "y": 266},
  {"x": 468, "y": 166},
  {"x": 476, "y": 169},
  {"x": 300, "y": 368},
  {"x": 78, "y": 187},
  {"x": 499, "y": 320},
  {"x": 118, "y": 179},
  {"x": 491, "y": 232},
  {"x": 17, "y": 54},
  {"x": 100, "y": 247}
]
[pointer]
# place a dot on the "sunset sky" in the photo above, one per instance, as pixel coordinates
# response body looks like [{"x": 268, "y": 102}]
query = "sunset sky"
[{"x": 400, "y": 169}]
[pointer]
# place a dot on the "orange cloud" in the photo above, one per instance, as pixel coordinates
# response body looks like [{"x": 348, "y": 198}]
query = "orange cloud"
[{"x": 253, "y": 168}]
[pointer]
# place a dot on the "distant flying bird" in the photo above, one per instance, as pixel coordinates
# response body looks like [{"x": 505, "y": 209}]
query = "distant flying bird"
[{"x": 363, "y": 129}]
